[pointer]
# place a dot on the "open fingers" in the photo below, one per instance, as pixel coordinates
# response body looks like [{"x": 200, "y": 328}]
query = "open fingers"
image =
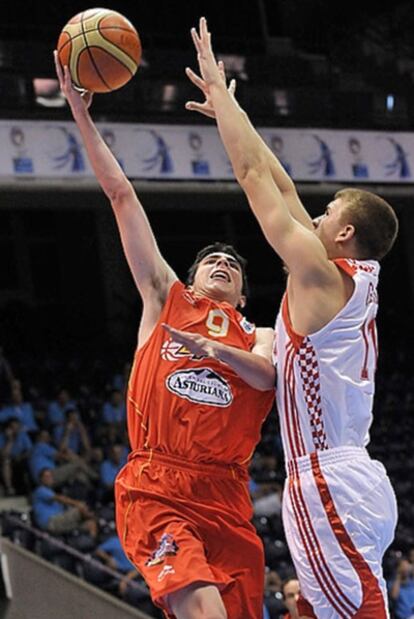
[
  {"x": 195, "y": 106},
  {"x": 58, "y": 68},
  {"x": 68, "y": 80},
  {"x": 204, "y": 33},
  {"x": 197, "y": 80},
  {"x": 203, "y": 108},
  {"x": 196, "y": 40}
]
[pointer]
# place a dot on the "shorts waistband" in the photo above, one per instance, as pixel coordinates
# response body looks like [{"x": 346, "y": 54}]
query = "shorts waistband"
[
  {"x": 214, "y": 469},
  {"x": 328, "y": 456}
]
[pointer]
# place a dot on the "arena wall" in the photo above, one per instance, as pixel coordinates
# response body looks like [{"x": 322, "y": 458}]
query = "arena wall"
[{"x": 36, "y": 589}]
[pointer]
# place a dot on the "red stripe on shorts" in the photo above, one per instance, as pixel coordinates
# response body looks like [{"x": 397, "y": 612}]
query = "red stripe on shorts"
[
  {"x": 329, "y": 586},
  {"x": 373, "y": 604}
]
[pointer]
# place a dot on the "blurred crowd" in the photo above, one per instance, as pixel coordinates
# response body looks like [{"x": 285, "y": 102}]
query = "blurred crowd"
[{"x": 63, "y": 440}]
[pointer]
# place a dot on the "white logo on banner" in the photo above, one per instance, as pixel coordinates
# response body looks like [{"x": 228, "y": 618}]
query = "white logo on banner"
[{"x": 55, "y": 149}]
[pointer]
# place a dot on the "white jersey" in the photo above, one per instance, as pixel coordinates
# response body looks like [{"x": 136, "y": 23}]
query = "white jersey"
[{"x": 325, "y": 384}]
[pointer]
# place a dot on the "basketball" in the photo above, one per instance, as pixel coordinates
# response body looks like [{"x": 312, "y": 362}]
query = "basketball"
[{"x": 101, "y": 48}]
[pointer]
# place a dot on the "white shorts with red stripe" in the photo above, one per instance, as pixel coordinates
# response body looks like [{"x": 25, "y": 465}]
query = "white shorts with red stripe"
[{"x": 339, "y": 514}]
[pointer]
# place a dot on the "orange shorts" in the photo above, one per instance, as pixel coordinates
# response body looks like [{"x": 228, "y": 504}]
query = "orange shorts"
[{"x": 181, "y": 523}]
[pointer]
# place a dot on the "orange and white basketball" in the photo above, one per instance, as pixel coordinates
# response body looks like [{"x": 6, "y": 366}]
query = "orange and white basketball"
[{"x": 101, "y": 48}]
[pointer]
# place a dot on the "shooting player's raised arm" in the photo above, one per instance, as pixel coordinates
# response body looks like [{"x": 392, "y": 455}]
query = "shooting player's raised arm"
[{"x": 152, "y": 275}]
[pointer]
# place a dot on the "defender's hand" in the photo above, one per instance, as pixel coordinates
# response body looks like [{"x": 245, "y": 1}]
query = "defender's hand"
[
  {"x": 208, "y": 66},
  {"x": 206, "y": 108}
]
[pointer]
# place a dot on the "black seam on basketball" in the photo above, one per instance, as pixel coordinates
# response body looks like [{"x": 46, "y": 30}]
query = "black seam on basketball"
[
  {"x": 80, "y": 34},
  {"x": 101, "y": 49},
  {"x": 100, "y": 28},
  {"x": 92, "y": 58},
  {"x": 66, "y": 42},
  {"x": 123, "y": 51},
  {"x": 116, "y": 28}
]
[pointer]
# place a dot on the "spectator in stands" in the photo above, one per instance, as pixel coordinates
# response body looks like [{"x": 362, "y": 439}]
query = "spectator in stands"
[
  {"x": 113, "y": 411},
  {"x": 15, "y": 447},
  {"x": 110, "y": 467},
  {"x": 57, "y": 409},
  {"x": 57, "y": 513},
  {"x": 291, "y": 591},
  {"x": 272, "y": 594},
  {"x": 110, "y": 552},
  {"x": 113, "y": 555},
  {"x": 19, "y": 409},
  {"x": 72, "y": 435},
  {"x": 402, "y": 590},
  {"x": 266, "y": 498},
  {"x": 65, "y": 465},
  {"x": 112, "y": 424}
]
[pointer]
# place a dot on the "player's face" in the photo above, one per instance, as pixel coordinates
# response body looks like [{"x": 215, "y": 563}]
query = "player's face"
[
  {"x": 291, "y": 592},
  {"x": 219, "y": 276},
  {"x": 47, "y": 478},
  {"x": 331, "y": 227}
]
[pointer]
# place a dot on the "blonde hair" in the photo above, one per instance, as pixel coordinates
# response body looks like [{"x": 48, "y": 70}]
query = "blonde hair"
[{"x": 374, "y": 220}]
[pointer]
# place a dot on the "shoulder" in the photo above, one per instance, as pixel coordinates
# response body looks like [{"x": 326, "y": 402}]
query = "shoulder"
[
  {"x": 264, "y": 342},
  {"x": 264, "y": 335},
  {"x": 352, "y": 267},
  {"x": 265, "y": 331},
  {"x": 174, "y": 291}
]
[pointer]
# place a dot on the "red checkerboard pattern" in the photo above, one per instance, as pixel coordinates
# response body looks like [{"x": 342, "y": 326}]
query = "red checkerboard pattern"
[{"x": 309, "y": 372}]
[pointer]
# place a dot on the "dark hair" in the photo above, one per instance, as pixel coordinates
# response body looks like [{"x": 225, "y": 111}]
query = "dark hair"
[
  {"x": 43, "y": 471},
  {"x": 215, "y": 248},
  {"x": 374, "y": 220},
  {"x": 286, "y": 582}
]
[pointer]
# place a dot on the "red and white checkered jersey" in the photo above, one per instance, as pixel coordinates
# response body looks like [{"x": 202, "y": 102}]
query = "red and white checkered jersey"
[{"x": 325, "y": 384}]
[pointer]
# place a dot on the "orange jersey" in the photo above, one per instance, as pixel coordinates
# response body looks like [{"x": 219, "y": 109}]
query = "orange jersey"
[{"x": 191, "y": 407}]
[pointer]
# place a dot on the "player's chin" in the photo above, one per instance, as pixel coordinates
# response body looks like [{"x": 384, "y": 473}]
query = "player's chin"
[
  {"x": 221, "y": 289},
  {"x": 221, "y": 284}
]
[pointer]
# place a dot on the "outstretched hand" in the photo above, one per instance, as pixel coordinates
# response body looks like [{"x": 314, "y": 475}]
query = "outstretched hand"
[
  {"x": 77, "y": 99},
  {"x": 208, "y": 66},
  {"x": 207, "y": 107},
  {"x": 194, "y": 342}
]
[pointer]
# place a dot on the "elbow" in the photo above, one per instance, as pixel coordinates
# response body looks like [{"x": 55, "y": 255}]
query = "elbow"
[
  {"x": 288, "y": 187},
  {"x": 251, "y": 171},
  {"x": 120, "y": 193}
]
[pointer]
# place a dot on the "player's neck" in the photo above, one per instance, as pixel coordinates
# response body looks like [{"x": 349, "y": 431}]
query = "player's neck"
[{"x": 211, "y": 295}]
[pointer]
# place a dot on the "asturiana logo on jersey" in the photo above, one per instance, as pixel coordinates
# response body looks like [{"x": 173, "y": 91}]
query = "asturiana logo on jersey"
[{"x": 202, "y": 386}]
